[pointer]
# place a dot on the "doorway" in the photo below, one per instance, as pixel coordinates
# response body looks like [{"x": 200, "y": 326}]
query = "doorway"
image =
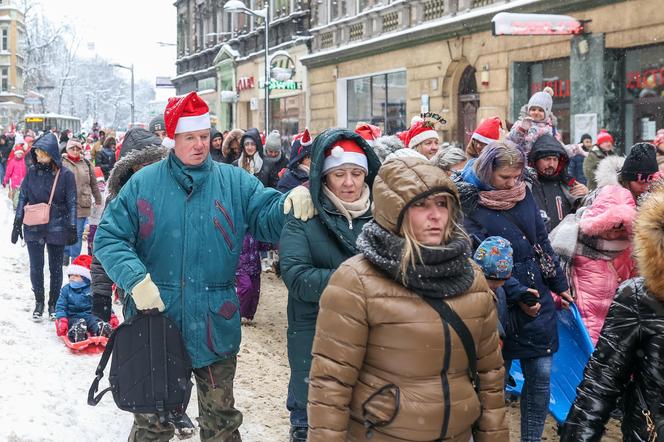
[{"x": 469, "y": 102}]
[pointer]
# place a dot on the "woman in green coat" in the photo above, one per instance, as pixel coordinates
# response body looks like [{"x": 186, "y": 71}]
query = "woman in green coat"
[{"x": 342, "y": 171}]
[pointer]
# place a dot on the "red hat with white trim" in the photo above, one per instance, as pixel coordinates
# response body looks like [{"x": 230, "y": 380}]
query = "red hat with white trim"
[
  {"x": 80, "y": 266},
  {"x": 419, "y": 132},
  {"x": 344, "y": 152},
  {"x": 488, "y": 131},
  {"x": 186, "y": 114}
]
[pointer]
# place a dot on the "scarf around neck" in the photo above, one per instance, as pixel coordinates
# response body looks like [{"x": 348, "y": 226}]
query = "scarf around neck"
[
  {"x": 350, "y": 211},
  {"x": 503, "y": 199},
  {"x": 255, "y": 163},
  {"x": 594, "y": 247},
  {"x": 444, "y": 272}
]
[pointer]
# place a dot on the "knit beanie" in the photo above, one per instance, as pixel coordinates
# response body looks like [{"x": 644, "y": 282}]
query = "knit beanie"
[
  {"x": 157, "y": 123},
  {"x": 138, "y": 138},
  {"x": 640, "y": 164},
  {"x": 604, "y": 137},
  {"x": 81, "y": 266},
  {"x": 494, "y": 256},
  {"x": 541, "y": 99},
  {"x": 273, "y": 142}
]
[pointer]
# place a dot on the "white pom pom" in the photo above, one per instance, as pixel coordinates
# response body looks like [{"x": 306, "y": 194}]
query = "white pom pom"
[
  {"x": 337, "y": 151},
  {"x": 416, "y": 119},
  {"x": 168, "y": 143}
]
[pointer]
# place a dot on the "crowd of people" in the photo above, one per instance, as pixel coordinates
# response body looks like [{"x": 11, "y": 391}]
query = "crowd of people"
[{"x": 417, "y": 272}]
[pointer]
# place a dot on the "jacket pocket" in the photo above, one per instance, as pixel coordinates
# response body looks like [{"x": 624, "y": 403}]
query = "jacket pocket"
[
  {"x": 381, "y": 408},
  {"x": 222, "y": 326}
]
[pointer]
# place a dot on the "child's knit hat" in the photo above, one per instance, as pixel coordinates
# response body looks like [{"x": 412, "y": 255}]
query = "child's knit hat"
[
  {"x": 81, "y": 266},
  {"x": 543, "y": 100},
  {"x": 494, "y": 256}
]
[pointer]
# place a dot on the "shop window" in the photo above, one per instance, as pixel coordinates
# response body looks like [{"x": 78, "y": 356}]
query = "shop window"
[
  {"x": 379, "y": 100},
  {"x": 644, "y": 93},
  {"x": 554, "y": 74}
]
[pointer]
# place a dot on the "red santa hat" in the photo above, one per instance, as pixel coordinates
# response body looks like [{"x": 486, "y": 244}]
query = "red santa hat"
[
  {"x": 99, "y": 174},
  {"x": 344, "y": 152},
  {"x": 418, "y": 133},
  {"x": 186, "y": 114},
  {"x": 304, "y": 137},
  {"x": 488, "y": 131},
  {"x": 80, "y": 266},
  {"x": 368, "y": 131}
]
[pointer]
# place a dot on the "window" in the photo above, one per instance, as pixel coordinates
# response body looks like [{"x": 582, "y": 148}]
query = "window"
[
  {"x": 555, "y": 74},
  {"x": 365, "y": 5},
  {"x": 4, "y": 76},
  {"x": 379, "y": 100},
  {"x": 281, "y": 8},
  {"x": 338, "y": 9},
  {"x": 5, "y": 39}
]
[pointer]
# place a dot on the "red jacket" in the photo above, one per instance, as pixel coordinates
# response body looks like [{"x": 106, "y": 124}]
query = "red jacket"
[{"x": 16, "y": 171}]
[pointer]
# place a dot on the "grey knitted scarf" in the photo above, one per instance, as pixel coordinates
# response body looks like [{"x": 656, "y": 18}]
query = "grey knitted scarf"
[{"x": 443, "y": 273}]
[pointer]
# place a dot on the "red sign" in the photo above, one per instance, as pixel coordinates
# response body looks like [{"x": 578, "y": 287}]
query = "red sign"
[
  {"x": 648, "y": 79},
  {"x": 507, "y": 23},
  {"x": 561, "y": 88},
  {"x": 244, "y": 83}
]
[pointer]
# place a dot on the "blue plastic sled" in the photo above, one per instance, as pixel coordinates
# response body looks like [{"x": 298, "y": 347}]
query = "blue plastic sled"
[{"x": 575, "y": 349}]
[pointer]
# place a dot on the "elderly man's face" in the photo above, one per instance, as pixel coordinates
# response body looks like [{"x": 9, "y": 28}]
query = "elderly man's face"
[{"x": 192, "y": 148}]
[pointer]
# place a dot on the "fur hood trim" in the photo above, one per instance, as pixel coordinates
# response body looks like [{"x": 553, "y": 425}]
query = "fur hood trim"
[
  {"x": 234, "y": 135},
  {"x": 608, "y": 170},
  {"x": 384, "y": 146},
  {"x": 649, "y": 242},
  {"x": 614, "y": 205},
  {"x": 123, "y": 169}
]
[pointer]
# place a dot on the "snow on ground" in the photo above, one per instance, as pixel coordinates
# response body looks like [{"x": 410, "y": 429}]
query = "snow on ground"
[{"x": 44, "y": 386}]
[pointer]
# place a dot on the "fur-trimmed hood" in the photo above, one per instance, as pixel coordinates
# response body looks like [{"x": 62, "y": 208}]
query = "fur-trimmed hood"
[
  {"x": 649, "y": 242},
  {"x": 608, "y": 171},
  {"x": 232, "y": 136},
  {"x": 614, "y": 205},
  {"x": 123, "y": 169},
  {"x": 383, "y": 146}
]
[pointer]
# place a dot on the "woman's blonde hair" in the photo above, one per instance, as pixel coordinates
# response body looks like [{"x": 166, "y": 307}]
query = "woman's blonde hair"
[{"x": 411, "y": 253}]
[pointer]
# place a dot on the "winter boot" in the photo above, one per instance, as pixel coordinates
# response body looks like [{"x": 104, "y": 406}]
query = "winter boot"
[
  {"x": 298, "y": 434},
  {"x": 104, "y": 329},
  {"x": 39, "y": 311},
  {"x": 78, "y": 332},
  {"x": 184, "y": 427},
  {"x": 51, "y": 312}
]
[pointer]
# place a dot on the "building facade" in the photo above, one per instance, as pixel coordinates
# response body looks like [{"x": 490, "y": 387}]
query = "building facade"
[
  {"x": 384, "y": 61},
  {"x": 222, "y": 56},
  {"x": 12, "y": 31}
]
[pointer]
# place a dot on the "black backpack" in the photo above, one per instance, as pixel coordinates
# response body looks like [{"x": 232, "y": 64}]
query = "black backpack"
[{"x": 150, "y": 370}]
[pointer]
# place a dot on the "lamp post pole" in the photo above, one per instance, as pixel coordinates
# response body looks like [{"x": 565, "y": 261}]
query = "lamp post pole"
[
  {"x": 131, "y": 69},
  {"x": 267, "y": 69}
]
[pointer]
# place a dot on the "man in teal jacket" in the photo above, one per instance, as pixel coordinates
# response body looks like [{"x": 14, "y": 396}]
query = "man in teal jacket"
[{"x": 172, "y": 238}]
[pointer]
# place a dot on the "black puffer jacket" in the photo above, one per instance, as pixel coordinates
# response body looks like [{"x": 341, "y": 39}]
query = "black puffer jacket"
[
  {"x": 630, "y": 351},
  {"x": 135, "y": 155}
]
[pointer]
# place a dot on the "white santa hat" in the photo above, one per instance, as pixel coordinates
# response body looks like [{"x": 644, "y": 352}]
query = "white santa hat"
[
  {"x": 344, "y": 152},
  {"x": 185, "y": 114}
]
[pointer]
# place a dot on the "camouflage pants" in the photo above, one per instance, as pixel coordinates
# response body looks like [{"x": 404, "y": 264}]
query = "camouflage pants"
[{"x": 218, "y": 419}]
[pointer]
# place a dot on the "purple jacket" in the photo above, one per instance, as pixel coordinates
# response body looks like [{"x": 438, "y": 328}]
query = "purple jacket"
[{"x": 250, "y": 259}]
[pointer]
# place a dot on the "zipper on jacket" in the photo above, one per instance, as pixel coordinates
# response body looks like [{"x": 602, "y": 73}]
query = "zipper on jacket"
[
  {"x": 223, "y": 210},
  {"x": 182, "y": 268},
  {"x": 219, "y": 227}
]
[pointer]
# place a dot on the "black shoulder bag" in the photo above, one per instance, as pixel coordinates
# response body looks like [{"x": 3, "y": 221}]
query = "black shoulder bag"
[{"x": 150, "y": 370}]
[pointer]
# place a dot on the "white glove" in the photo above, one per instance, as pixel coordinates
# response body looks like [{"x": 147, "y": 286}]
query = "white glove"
[
  {"x": 146, "y": 295},
  {"x": 299, "y": 199}
]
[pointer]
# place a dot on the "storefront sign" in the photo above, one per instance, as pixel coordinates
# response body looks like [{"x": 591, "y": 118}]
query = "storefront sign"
[
  {"x": 648, "y": 79},
  {"x": 561, "y": 88},
  {"x": 244, "y": 83},
  {"x": 506, "y": 23},
  {"x": 276, "y": 85}
]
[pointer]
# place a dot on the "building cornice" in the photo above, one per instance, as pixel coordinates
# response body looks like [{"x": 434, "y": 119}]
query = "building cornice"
[{"x": 471, "y": 22}]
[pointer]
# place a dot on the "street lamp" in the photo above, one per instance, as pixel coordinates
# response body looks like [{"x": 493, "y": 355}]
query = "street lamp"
[
  {"x": 129, "y": 68},
  {"x": 237, "y": 6}
]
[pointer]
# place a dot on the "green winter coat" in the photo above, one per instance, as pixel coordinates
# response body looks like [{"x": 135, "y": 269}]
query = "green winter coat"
[
  {"x": 309, "y": 252},
  {"x": 184, "y": 226},
  {"x": 590, "y": 165}
]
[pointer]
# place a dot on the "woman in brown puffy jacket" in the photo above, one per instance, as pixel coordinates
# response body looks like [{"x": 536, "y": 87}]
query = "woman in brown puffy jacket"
[{"x": 388, "y": 362}]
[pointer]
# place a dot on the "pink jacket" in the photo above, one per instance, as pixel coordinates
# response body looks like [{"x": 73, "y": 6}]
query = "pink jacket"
[
  {"x": 16, "y": 171},
  {"x": 595, "y": 281}
]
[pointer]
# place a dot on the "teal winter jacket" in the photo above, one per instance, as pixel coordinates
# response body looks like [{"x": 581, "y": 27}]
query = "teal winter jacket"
[{"x": 184, "y": 226}]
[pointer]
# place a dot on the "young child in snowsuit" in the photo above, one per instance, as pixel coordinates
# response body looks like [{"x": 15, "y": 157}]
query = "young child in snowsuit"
[
  {"x": 16, "y": 171},
  {"x": 494, "y": 256},
  {"x": 73, "y": 312},
  {"x": 248, "y": 277},
  {"x": 537, "y": 122}
]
